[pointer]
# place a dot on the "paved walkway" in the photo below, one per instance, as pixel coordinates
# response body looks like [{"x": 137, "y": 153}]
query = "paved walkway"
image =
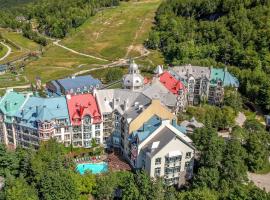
[
  {"x": 260, "y": 180},
  {"x": 240, "y": 119},
  {"x": 8, "y": 52}
]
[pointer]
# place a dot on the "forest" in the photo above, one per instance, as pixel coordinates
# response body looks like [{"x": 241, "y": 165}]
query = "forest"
[
  {"x": 220, "y": 173},
  {"x": 235, "y": 33},
  {"x": 53, "y": 18}
]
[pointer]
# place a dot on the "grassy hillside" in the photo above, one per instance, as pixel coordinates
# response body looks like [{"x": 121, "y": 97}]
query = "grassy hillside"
[
  {"x": 3, "y": 50},
  {"x": 111, "y": 32},
  {"x": 58, "y": 63},
  {"x": 107, "y": 35},
  {"x": 19, "y": 45}
]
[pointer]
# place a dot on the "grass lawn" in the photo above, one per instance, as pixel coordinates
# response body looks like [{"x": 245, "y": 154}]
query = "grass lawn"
[
  {"x": 112, "y": 31},
  {"x": 8, "y": 79},
  {"x": 58, "y": 63},
  {"x": 19, "y": 40},
  {"x": 3, "y": 50},
  {"x": 25, "y": 45}
]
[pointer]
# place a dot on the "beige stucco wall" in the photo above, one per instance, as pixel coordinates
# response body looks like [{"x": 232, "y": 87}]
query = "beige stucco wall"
[{"x": 174, "y": 145}]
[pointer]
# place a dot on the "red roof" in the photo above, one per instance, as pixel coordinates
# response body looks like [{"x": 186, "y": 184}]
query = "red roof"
[
  {"x": 146, "y": 80},
  {"x": 171, "y": 83},
  {"x": 82, "y": 105}
]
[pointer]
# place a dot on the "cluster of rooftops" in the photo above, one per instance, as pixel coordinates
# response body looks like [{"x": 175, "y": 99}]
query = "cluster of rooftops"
[{"x": 72, "y": 107}]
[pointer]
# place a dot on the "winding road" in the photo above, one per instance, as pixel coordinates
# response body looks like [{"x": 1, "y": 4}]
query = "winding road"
[{"x": 8, "y": 52}]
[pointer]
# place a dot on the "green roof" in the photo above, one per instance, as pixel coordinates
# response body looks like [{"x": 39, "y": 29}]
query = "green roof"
[
  {"x": 10, "y": 104},
  {"x": 224, "y": 76}
]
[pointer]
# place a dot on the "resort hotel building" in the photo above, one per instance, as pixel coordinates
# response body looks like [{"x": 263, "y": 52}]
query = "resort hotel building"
[{"x": 139, "y": 120}]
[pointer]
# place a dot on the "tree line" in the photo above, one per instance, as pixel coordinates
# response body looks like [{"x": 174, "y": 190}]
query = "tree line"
[
  {"x": 220, "y": 172},
  {"x": 218, "y": 32},
  {"x": 53, "y": 18}
]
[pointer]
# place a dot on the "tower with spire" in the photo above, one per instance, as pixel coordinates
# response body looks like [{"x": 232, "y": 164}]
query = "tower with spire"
[{"x": 133, "y": 80}]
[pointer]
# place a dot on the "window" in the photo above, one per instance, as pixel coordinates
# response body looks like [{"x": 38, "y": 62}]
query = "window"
[
  {"x": 158, "y": 161},
  {"x": 188, "y": 155},
  {"x": 97, "y": 134},
  {"x": 187, "y": 164},
  {"x": 87, "y": 136},
  {"x": 67, "y": 137},
  {"x": 173, "y": 159},
  {"x": 157, "y": 171},
  {"x": 87, "y": 128},
  {"x": 66, "y": 129},
  {"x": 58, "y": 130},
  {"x": 98, "y": 126},
  {"x": 97, "y": 140}
]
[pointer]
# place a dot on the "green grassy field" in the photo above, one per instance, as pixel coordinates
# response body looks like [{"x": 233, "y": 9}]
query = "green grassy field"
[
  {"x": 112, "y": 34},
  {"x": 3, "y": 50},
  {"x": 58, "y": 63},
  {"x": 113, "y": 31},
  {"x": 25, "y": 45}
]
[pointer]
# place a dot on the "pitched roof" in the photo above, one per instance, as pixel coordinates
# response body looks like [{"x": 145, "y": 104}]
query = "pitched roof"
[
  {"x": 223, "y": 75},
  {"x": 171, "y": 83},
  {"x": 42, "y": 109},
  {"x": 190, "y": 70},
  {"x": 156, "y": 90},
  {"x": 11, "y": 102},
  {"x": 155, "y": 108},
  {"x": 147, "y": 128},
  {"x": 163, "y": 137},
  {"x": 121, "y": 100},
  {"x": 83, "y": 105},
  {"x": 78, "y": 82}
]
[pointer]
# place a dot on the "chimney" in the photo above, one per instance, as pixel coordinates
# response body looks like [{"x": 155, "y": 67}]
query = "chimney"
[
  {"x": 68, "y": 96},
  {"x": 7, "y": 105},
  {"x": 37, "y": 110},
  {"x": 126, "y": 104},
  {"x": 114, "y": 103}
]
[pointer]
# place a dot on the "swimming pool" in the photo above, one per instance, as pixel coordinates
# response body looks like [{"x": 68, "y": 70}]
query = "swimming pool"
[{"x": 95, "y": 168}]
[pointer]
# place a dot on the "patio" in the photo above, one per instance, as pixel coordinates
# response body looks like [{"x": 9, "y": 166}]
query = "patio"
[{"x": 117, "y": 162}]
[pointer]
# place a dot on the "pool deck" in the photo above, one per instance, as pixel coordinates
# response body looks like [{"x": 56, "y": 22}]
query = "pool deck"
[{"x": 117, "y": 162}]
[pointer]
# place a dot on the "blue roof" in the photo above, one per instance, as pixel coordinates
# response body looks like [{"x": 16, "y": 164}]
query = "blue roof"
[
  {"x": 78, "y": 82},
  {"x": 42, "y": 109},
  {"x": 180, "y": 128},
  {"x": 147, "y": 128},
  {"x": 150, "y": 126}
]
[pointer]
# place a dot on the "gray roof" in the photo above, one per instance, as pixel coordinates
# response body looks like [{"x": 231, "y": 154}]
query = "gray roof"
[
  {"x": 164, "y": 137},
  {"x": 156, "y": 90},
  {"x": 121, "y": 100},
  {"x": 195, "y": 71},
  {"x": 78, "y": 82}
]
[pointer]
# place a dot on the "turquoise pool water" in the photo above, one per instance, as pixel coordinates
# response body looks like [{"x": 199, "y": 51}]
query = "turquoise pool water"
[{"x": 95, "y": 168}]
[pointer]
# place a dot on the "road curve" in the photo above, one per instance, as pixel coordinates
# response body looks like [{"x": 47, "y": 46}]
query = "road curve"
[{"x": 8, "y": 52}]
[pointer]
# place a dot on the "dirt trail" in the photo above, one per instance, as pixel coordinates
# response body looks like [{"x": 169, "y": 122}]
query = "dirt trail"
[
  {"x": 76, "y": 52},
  {"x": 8, "y": 52}
]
